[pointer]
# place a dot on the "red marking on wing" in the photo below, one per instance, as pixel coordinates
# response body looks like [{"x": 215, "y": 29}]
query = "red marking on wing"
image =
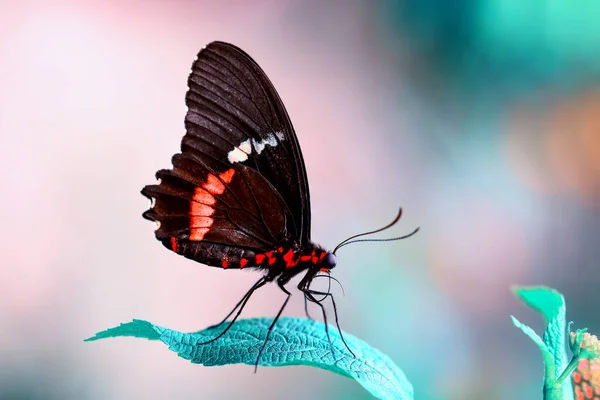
[
  {"x": 280, "y": 249},
  {"x": 322, "y": 256},
  {"x": 203, "y": 199},
  {"x": 198, "y": 234},
  {"x": 243, "y": 262},
  {"x": 213, "y": 185},
  {"x": 289, "y": 259},
  {"x": 201, "y": 222},
  {"x": 305, "y": 258},
  {"x": 260, "y": 258},
  {"x": 314, "y": 257},
  {"x": 227, "y": 176},
  {"x": 224, "y": 263},
  {"x": 201, "y": 210},
  {"x": 173, "y": 244}
]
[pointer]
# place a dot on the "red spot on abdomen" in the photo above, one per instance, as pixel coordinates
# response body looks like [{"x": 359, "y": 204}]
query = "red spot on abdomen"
[
  {"x": 174, "y": 244},
  {"x": 260, "y": 258},
  {"x": 270, "y": 259},
  {"x": 243, "y": 262},
  {"x": 289, "y": 259},
  {"x": 224, "y": 263}
]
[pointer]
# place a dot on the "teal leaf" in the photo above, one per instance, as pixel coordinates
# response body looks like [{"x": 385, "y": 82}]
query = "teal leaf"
[
  {"x": 551, "y": 305},
  {"x": 547, "y": 355},
  {"x": 293, "y": 341}
]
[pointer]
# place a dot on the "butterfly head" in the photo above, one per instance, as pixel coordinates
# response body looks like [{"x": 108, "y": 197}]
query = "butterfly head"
[
  {"x": 322, "y": 269},
  {"x": 328, "y": 263}
]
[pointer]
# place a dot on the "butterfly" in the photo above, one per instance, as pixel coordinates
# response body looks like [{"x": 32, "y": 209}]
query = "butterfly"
[{"x": 237, "y": 196}]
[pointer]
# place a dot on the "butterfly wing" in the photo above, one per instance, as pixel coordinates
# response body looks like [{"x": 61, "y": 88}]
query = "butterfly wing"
[
  {"x": 238, "y": 188},
  {"x": 216, "y": 216},
  {"x": 235, "y": 115}
]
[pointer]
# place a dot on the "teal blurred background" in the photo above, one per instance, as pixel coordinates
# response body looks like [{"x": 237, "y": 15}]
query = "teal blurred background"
[{"x": 480, "y": 118}]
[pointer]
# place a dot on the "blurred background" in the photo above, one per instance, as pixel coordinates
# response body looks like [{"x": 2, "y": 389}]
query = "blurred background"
[{"x": 480, "y": 118}]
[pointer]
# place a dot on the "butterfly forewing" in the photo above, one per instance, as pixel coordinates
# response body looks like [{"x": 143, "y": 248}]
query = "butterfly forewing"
[{"x": 235, "y": 115}]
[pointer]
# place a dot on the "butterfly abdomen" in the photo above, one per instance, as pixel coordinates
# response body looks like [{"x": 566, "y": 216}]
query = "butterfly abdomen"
[{"x": 228, "y": 257}]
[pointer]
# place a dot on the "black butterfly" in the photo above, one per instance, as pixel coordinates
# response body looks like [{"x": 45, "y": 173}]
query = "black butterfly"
[{"x": 237, "y": 196}]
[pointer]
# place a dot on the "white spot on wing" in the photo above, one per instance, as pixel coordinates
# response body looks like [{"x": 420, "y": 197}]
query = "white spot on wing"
[
  {"x": 240, "y": 153},
  {"x": 246, "y": 147},
  {"x": 270, "y": 140},
  {"x": 258, "y": 146}
]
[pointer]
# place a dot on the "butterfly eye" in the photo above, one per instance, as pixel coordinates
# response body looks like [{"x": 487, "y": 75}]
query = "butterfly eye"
[{"x": 329, "y": 261}]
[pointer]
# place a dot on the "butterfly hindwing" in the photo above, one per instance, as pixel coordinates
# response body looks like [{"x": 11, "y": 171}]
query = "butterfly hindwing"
[{"x": 235, "y": 208}]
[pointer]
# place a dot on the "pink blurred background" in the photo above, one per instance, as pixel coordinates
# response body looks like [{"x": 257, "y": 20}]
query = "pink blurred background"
[{"x": 488, "y": 137}]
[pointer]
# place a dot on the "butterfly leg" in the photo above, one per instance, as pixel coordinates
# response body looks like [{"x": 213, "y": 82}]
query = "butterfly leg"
[
  {"x": 335, "y": 313},
  {"x": 309, "y": 294},
  {"x": 281, "y": 284},
  {"x": 256, "y": 286},
  {"x": 306, "y": 308},
  {"x": 248, "y": 293}
]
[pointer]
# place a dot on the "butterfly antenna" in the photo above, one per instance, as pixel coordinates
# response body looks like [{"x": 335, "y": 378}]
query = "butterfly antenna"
[
  {"x": 382, "y": 240},
  {"x": 349, "y": 240}
]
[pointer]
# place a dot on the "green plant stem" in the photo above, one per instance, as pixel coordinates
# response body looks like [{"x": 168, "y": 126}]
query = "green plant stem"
[
  {"x": 554, "y": 391},
  {"x": 568, "y": 371}
]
